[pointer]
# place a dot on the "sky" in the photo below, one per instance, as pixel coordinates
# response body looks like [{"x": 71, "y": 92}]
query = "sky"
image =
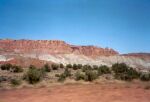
[{"x": 123, "y": 25}]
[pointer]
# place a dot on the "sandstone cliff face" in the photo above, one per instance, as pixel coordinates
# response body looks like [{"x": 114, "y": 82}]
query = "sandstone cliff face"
[
  {"x": 38, "y": 52},
  {"x": 51, "y": 47}
]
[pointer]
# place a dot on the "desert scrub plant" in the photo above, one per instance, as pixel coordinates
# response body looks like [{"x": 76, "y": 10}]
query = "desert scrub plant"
[
  {"x": 47, "y": 68},
  {"x": 120, "y": 68},
  {"x": 33, "y": 75},
  {"x": 17, "y": 69},
  {"x": 103, "y": 70},
  {"x": 61, "y": 65},
  {"x": 15, "y": 82},
  {"x": 86, "y": 67},
  {"x": 67, "y": 72},
  {"x": 79, "y": 76},
  {"x": 90, "y": 75},
  {"x": 32, "y": 67},
  {"x": 124, "y": 72},
  {"x": 69, "y": 66},
  {"x": 145, "y": 76},
  {"x": 95, "y": 67},
  {"x": 7, "y": 66},
  {"x": 55, "y": 66},
  {"x": 79, "y": 66},
  {"x": 75, "y": 66},
  {"x": 64, "y": 75},
  {"x": 57, "y": 75}
]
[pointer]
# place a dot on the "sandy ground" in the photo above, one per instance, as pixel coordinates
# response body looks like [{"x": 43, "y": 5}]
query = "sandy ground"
[{"x": 78, "y": 93}]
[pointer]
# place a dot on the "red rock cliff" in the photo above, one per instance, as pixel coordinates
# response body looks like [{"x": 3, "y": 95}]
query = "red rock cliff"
[{"x": 51, "y": 47}]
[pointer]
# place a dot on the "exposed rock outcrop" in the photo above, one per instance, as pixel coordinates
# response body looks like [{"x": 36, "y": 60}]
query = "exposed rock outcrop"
[{"x": 52, "y": 47}]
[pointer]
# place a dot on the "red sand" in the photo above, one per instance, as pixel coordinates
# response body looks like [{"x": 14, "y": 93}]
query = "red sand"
[{"x": 77, "y": 93}]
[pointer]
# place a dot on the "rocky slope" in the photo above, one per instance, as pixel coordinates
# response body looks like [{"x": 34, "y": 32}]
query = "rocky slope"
[
  {"x": 45, "y": 51},
  {"x": 51, "y": 47}
]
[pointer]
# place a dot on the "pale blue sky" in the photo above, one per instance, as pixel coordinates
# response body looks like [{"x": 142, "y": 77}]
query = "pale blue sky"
[{"x": 120, "y": 24}]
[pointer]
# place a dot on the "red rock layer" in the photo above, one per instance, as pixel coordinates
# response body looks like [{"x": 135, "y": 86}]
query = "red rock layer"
[{"x": 51, "y": 47}]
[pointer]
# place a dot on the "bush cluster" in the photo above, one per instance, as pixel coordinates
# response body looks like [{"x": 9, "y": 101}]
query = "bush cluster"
[
  {"x": 90, "y": 75},
  {"x": 13, "y": 68},
  {"x": 103, "y": 70},
  {"x": 79, "y": 76},
  {"x": 34, "y": 75},
  {"x": 145, "y": 76},
  {"x": 55, "y": 66},
  {"x": 7, "y": 66},
  {"x": 64, "y": 75},
  {"x": 47, "y": 68},
  {"x": 15, "y": 82},
  {"x": 124, "y": 72}
]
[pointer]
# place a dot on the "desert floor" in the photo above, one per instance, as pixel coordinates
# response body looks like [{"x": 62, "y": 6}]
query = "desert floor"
[{"x": 78, "y": 93}]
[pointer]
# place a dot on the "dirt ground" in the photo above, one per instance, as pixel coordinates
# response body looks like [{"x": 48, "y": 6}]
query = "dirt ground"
[{"x": 78, "y": 93}]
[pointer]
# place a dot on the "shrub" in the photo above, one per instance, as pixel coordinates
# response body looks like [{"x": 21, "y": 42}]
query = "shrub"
[
  {"x": 15, "y": 82},
  {"x": 62, "y": 77},
  {"x": 3, "y": 78},
  {"x": 145, "y": 76},
  {"x": 57, "y": 75},
  {"x": 120, "y": 68},
  {"x": 6, "y": 66},
  {"x": 90, "y": 75},
  {"x": 17, "y": 69},
  {"x": 79, "y": 76},
  {"x": 67, "y": 72},
  {"x": 69, "y": 66},
  {"x": 103, "y": 70},
  {"x": 95, "y": 67},
  {"x": 55, "y": 66},
  {"x": 86, "y": 67},
  {"x": 61, "y": 65},
  {"x": 47, "y": 68},
  {"x": 32, "y": 67},
  {"x": 79, "y": 66},
  {"x": 33, "y": 75},
  {"x": 75, "y": 67},
  {"x": 124, "y": 72}
]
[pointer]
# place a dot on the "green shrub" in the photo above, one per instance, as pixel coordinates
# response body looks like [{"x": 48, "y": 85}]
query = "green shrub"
[
  {"x": 67, "y": 72},
  {"x": 145, "y": 76},
  {"x": 6, "y": 66},
  {"x": 79, "y": 66},
  {"x": 17, "y": 69},
  {"x": 124, "y": 72},
  {"x": 69, "y": 66},
  {"x": 120, "y": 68},
  {"x": 57, "y": 75},
  {"x": 15, "y": 82},
  {"x": 47, "y": 68},
  {"x": 61, "y": 65},
  {"x": 103, "y": 70},
  {"x": 90, "y": 75},
  {"x": 34, "y": 75},
  {"x": 95, "y": 67},
  {"x": 32, "y": 67},
  {"x": 86, "y": 67},
  {"x": 79, "y": 76},
  {"x": 62, "y": 77},
  {"x": 55, "y": 66},
  {"x": 75, "y": 66}
]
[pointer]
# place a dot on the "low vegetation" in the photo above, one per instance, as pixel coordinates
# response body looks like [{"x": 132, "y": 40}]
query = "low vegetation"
[
  {"x": 124, "y": 72},
  {"x": 33, "y": 75},
  {"x": 60, "y": 72},
  {"x": 15, "y": 82}
]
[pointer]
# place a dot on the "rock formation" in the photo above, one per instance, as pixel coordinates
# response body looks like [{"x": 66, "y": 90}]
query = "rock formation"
[{"x": 51, "y": 47}]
